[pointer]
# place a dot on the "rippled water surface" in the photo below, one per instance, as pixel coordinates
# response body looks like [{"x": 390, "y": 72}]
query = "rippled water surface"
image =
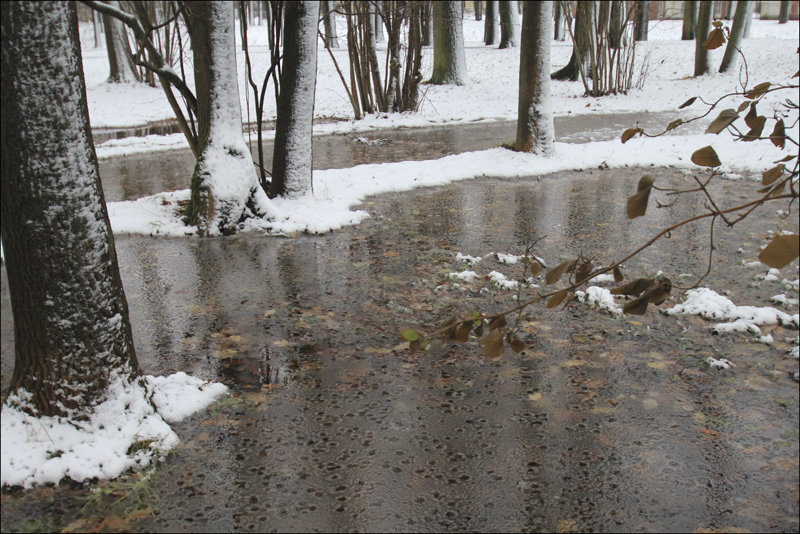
[{"x": 602, "y": 423}]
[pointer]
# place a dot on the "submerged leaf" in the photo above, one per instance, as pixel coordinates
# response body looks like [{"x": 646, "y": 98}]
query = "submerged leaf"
[
  {"x": 706, "y": 157},
  {"x": 723, "y": 120},
  {"x": 781, "y": 251}
]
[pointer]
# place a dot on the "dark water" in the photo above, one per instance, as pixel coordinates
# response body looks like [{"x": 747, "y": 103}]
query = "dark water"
[
  {"x": 602, "y": 423},
  {"x": 134, "y": 176}
]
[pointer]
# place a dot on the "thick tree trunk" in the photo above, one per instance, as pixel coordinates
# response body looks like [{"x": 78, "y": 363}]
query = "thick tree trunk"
[
  {"x": 71, "y": 328},
  {"x": 701, "y": 64},
  {"x": 491, "y": 25},
  {"x": 535, "y": 131},
  {"x": 329, "y": 21},
  {"x": 783, "y": 16},
  {"x": 641, "y": 22},
  {"x": 509, "y": 24},
  {"x": 120, "y": 63},
  {"x": 291, "y": 162},
  {"x": 744, "y": 10},
  {"x": 478, "y": 10},
  {"x": 580, "y": 46},
  {"x": 449, "y": 60},
  {"x": 225, "y": 189},
  {"x": 615, "y": 24},
  {"x": 690, "y": 8}
]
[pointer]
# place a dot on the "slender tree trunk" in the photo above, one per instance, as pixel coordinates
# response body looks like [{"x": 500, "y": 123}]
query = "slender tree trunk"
[
  {"x": 580, "y": 47},
  {"x": 72, "y": 333},
  {"x": 372, "y": 55},
  {"x": 509, "y": 24},
  {"x": 478, "y": 10},
  {"x": 377, "y": 20},
  {"x": 690, "y": 8},
  {"x": 449, "y": 61},
  {"x": 744, "y": 10},
  {"x": 701, "y": 62},
  {"x": 615, "y": 24},
  {"x": 225, "y": 189},
  {"x": 491, "y": 25},
  {"x": 291, "y": 162},
  {"x": 642, "y": 20},
  {"x": 96, "y": 25},
  {"x": 783, "y": 17},
  {"x": 427, "y": 25},
  {"x": 558, "y": 21},
  {"x": 535, "y": 131},
  {"x": 329, "y": 21}
]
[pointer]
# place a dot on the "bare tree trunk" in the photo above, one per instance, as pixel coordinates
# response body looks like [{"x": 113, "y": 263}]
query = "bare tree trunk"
[
  {"x": 291, "y": 162},
  {"x": 329, "y": 21},
  {"x": 535, "y": 131},
  {"x": 509, "y": 24},
  {"x": 690, "y": 8},
  {"x": 580, "y": 49},
  {"x": 72, "y": 333},
  {"x": 491, "y": 25},
  {"x": 478, "y": 10},
  {"x": 225, "y": 189},
  {"x": 783, "y": 17},
  {"x": 121, "y": 67},
  {"x": 642, "y": 20},
  {"x": 377, "y": 20},
  {"x": 744, "y": 10},
  {"x": 615, "y": 24},
  {"x": 449, "y": 61},
  {"x": 558, "y": 19},
  {"x": 427, "y": 25},
  {"x": 701, "y": 64}
]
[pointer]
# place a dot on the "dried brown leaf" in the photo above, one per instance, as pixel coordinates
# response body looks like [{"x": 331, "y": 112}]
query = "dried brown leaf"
[
  {"x": 674, "y": 124},
  {"x": 715, "y": 39},
  {"x": 583, "y": 272},
  {"x": 706, "y": 157},
  {"x": 637, "y": 306},
  {"x": 535, "y": 267},
  {"x": 493, "y": 344},
  {"x": 757, "y": 91},
  {"x": 778, "y": 135},
  {"x": 618, "y": 274},
  {"x": 634, "y": 287},
  {"x": 743, "y": 106},
  {"x": 637, "y": 204},
  {"x": 516, "y": 344},
  {"x": 557, "y": 298},
  {"x": 558, "y": 271},
  {"x": 767, "y": 177},
  {"x": 756, "y": 129},
  {"x": 688, "y": 103},
  {"x": 630, "y": 132},
  {"x": 781, "y": 251},
  {"x": 497, "y": 322},
  {"x": 463, "y": 330},
  {"x": 723, "y": 120},
  {"x": 751, "y": 116}
]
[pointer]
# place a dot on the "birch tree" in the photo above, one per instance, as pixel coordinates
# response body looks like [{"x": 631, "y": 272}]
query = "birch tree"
[
  {"x": 535, "y": 132},
  {"x": 744, "y": 11},
  {"x": 225, "y": 189},
  {"x": 291, "y": 161},
  {"x": 72, "y": 333},
  {"x": 449, "y": 60}
]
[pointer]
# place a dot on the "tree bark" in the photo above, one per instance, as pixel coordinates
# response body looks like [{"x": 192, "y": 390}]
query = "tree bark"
[
  {"x": 291, "y": 162},
  {"x": 329, "y": 22},
  {"x": 535, "y": 131},
  {"x": 580, "y": 46},
  {"x": 642, "y": 20},
  {"x": 783, "y": 16},
  {"x": 427, "y": 25},
  {"x": 491, "y": 25},
  {"x": 224, "y": 189},
  {"x": 615, "y": 24},
  {"x": 478, "y": 10},
  {"x": 509, "y": 24},
  {"x": 558, "y": 21},
  {"x": 120, "y": 63},
  {"x": 71, "y": 326},
  {"x": 744, "y": 10},
  {"x": 701, "y": 63},
  {"x": 449, "y": 61},
  {"x": 690, "y": 8}
]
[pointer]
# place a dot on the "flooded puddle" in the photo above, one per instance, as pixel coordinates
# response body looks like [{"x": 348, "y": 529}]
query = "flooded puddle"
[{"x": 602, "y": 424}]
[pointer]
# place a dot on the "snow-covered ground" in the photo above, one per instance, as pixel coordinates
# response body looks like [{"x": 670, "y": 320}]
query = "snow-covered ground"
[{"x": 47, "y": 450}]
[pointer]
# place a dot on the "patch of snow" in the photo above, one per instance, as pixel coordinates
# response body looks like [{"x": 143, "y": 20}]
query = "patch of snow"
[
  {"x": 468, "y": 258},
  {"x": 599, "y": 297},
  {"x": 722, "y": 363},
  {"x": 465, "y": 276},
  {"x": 500, "y": 280}
]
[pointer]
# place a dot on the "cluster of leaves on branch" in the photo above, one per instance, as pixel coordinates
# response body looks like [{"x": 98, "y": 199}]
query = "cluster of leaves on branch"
[{"x": 778, "y": 184}]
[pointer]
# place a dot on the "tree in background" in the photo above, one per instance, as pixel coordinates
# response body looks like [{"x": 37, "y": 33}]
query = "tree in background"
[
  {"x": 449, "y": 60},
  {"x": 291, "y": 161},
  {"x": 509, "y": 24},
  {"x": 558, "y": 21},
  {"x": 535, "y": 116},
  {"x": 690, "y": 8},
  {"x": 744, "y": 11},
  {"x": 329, "y": 19},
  {"x": 491, "y": 23},
  {"x": 641, "y": 20},
  {"x": 580, "y": 42},
  {"x": 701, "y": 62},
  {"x": 120, "y": 61},
  {"x": 478, "y": 10},
  {"x": 783, "y": 16},
  {"x": 72, "y": 333}
]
